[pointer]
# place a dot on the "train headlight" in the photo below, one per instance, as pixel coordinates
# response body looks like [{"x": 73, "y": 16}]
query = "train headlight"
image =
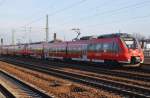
[{"x": 128, "y": 60}]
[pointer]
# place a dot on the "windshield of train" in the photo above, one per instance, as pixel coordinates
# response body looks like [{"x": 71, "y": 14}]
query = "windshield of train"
[{"x": 131, "y": 43}]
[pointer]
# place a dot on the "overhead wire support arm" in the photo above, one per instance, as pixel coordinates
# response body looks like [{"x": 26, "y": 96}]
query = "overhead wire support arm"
[
  {"x": 77, "y": 30},
  {"x": 47, "y": 29}
]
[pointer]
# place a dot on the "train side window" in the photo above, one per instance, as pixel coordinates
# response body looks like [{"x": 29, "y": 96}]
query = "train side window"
[
  {"x": 55, "y": 50},
  {"x": 91, "y": 47},
  {"x": 62, "y": 49},
  {"x": 51, "y": 49},
  {"x": 105, "y": 47},
  {"x": 108, "y": 47},
  {"x": 99, "y": 47}
]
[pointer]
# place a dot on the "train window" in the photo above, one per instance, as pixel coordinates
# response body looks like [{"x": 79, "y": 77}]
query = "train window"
[
  {"x": 131, "y": 43},
  {"x": 108, "y": 47},
  {"x": 51, "y": 49},
  {"x": 62, "y": 49},
  {"x": 105, "y": 47},
  {"x": 54, "y": 49},
  {"x": 73, "y": 50},
  {"x": 99, "y": 47},
  {"x": 91, "y": 47},
  {"x": 95, "y": 47}
]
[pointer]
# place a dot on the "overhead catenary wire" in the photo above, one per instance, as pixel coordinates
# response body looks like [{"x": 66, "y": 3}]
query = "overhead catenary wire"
[
  {"x": 56, "y": 12},
  {"x": 115, "y": 21},
  {"x": 112, "y": 22},
  {"x": 2, "y": 2},
  {"x": 91, "y": 9},
  {"x": 136, "y": 5},
  {"x": 118, "y": 21},
  {"x": 118, "y": 9},
  {"x": 87, "y": 17}
]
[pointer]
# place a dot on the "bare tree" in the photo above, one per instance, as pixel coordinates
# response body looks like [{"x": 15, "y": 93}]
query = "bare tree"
[{"x": 139, "y": 36}]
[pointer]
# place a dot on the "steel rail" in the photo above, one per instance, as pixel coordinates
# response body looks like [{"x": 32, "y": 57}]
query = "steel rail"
[{"x": 31, "y": 91}]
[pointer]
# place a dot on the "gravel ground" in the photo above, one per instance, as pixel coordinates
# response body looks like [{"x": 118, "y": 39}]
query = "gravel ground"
[
  {"x": 103, "y": 76},
  {"x": 1, "y": 95},
  {"x": 60, "y": 88}
]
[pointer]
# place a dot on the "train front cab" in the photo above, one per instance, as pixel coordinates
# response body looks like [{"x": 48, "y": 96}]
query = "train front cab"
[{"x": 132, "y": 54}]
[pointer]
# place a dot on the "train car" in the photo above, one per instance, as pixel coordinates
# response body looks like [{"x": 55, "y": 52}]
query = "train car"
[
  {"x": 111, "y": 49},
  {"x": 36, "y": 50},
  {"x": 4, "y": 49},
  {"x": 116, "y": 49},
  {"x": 11, "y": 50},
  {"x": 56, "y": 50},
  {"x": 22, "y": 49}
]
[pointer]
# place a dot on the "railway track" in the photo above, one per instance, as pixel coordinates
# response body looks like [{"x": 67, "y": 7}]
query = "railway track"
[
  {"x": 5, "y": 92},
  {"x": 25, "y": 88},
  {"x": 113, "y": 86},
  {"x": 136, "y": 70},
  {"x": 128, "y": 77},
  {"x": 134, "y": 75},
  {"x": 130, "y": 74}
]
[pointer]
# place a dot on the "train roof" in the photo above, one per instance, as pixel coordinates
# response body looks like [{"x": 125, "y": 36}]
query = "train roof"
[
  {"x": 115, "y": 35},
  {"x": 123, "y": 35},
  {"x": 82, "y": 39},
  {"x": 88, "y": 37}
]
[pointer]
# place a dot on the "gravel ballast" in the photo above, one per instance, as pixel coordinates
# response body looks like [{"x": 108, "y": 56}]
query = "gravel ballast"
[{"x": 60, "y": 88}]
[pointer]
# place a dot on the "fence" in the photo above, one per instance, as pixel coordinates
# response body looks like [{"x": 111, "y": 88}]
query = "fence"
[{"x": 147, "y": 53}]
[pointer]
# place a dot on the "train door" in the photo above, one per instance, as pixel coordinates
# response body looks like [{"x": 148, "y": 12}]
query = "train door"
[
  {"x": 84, "y": 52},
  {"x": 45, "y": 50},
  {"x": 114, "y": 50},
  {"x": 66, "y": 50}
]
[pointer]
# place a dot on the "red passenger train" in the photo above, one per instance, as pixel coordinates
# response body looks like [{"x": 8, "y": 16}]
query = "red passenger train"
[{"x": 120, "y": 48}]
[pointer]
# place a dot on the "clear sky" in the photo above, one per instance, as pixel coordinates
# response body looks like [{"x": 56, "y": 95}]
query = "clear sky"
[{"x": 93, "y": 17}]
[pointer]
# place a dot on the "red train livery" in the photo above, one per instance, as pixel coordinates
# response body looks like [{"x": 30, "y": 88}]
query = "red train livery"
[{"x": 120, "y": 48}]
